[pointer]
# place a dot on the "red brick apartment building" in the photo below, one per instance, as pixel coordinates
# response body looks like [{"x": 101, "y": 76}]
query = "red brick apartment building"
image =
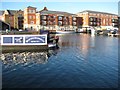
[
  {"x": 98, "y": 19},
  {"x": 32, "y": 19},
  {"x": 50, "y": 20}
]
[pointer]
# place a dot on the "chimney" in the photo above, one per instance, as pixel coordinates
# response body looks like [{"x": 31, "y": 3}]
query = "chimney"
[{"x": 45, "y": 8}]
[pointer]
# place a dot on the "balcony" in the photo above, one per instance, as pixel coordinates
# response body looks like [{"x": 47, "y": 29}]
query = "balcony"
[
  {"x": 43, "y": 17},
  {"x": 51, "y": 18},
  {"x": 60, "y": 18},
  {"x": 74, "y": 18},
  {"x": 114, "y": 20},
  {"x": 50, "y": 23},
  {"x": 93, "y": 23},
  {"x": 74, "y": 24},
  {"x": 60, "y": 23},
  {"x": 98, "y": 20},
  {"x": 44, "y": 23},
  {"x": 93, "y": 19},
  {"x": 65, "y": 23}
]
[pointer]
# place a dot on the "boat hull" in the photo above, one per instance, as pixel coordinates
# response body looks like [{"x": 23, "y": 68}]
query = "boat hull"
[{"x": 64, "y": 32}]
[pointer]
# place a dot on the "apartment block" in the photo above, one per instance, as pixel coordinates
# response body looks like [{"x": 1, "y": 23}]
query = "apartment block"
[
  {"x": 9, "y": 17},
  {"x": 98, "y": 19},
  {"x": 50, "y": 20},
  {"x": 30, "y": 18},
  {"x": 20, "y": 17},
  {"x": 12, "y": 17},
  {"x": 57, "y": 20}
]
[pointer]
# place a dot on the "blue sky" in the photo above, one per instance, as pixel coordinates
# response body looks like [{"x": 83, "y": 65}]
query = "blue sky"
[{"x": 71, "y": 7}]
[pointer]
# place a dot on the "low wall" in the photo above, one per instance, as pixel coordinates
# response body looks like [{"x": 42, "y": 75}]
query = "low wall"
[
  {"x": 23, "y": 43},
  {"x": 23, "y": 48}
]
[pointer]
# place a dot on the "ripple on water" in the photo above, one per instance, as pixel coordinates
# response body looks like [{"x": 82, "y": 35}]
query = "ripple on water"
[{"x": 80, "y": 62}]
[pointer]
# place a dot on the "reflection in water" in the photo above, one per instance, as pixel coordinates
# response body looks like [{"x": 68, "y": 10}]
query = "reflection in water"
[
  {"x": 82, "y": 61},
  {"x": 81, "y": 42},
  {"x": 92, "y": 41},
  {"x": 27, "y": 57},
  {"x": 0, "y": 75}
]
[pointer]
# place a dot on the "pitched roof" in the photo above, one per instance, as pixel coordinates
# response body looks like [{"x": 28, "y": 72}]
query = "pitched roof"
[
  {"x": 31, "y": 7},
  {"x": 1, "y": 21},
  {"x": 11, "y": 12},
  {"x": 90, "y": 11},
  {"x": 46, "y": 11},
  {"x": 55, "y": 12}
]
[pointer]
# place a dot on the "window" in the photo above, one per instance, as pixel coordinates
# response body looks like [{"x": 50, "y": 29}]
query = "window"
[
  {"x": 109, "y": 20},
  {"x": 74, "y": 18},
  {"x": 60, "y": 23},
  {"x": 91, "y": 19},
  {"x": 91, "y": 23},
  {"x": 31, "y": 11},
  {"x": 20, "y": 15},
  {"x": 30, "y": 17},
  {"x": 44, "y": 23},
  {"x": 54, "y": 17},
  {"x": 65, "y": 23},
  {"x": 65, "y": 18},
  {"x": 107, "y": 24},
  {"x": 74, "y": 23},
  {"x": 49, "y": 17},
  {"x": 95, "y": 23},
  {"x": 84, "y": 22},
  {"x": 49, "y": 22},
  {"x": 44, "y": 17},
  {"x": 32, "y": 22},
  {"x": 33, "y": 17},
  {"x": 53, "y": 22},
  {"x": 10, "y": 18},
  {"x": 31, "y": 28},
  {"x": 60, "y": 18}
]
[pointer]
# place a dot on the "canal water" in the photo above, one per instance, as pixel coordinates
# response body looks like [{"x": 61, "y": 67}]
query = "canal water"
[{"x": 82, "y": 61}]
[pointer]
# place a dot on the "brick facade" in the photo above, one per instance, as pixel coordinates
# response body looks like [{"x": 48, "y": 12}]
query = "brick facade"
[
  {"x": 32, "y": 19},
  {"x": 94, "y": 18}
]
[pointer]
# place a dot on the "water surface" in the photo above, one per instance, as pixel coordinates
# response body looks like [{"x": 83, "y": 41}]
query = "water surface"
[{"x": 82, "y": 61}]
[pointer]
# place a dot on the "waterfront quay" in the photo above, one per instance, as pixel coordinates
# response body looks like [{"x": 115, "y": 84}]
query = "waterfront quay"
[
  {"x": 81, "y": 61},
  {"x": 27, "y": 41},
  {"x": 86, "y": 55}
]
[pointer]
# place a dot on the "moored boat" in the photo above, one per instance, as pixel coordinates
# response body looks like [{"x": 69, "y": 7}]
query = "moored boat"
[{"x": 64, "y": 32}]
